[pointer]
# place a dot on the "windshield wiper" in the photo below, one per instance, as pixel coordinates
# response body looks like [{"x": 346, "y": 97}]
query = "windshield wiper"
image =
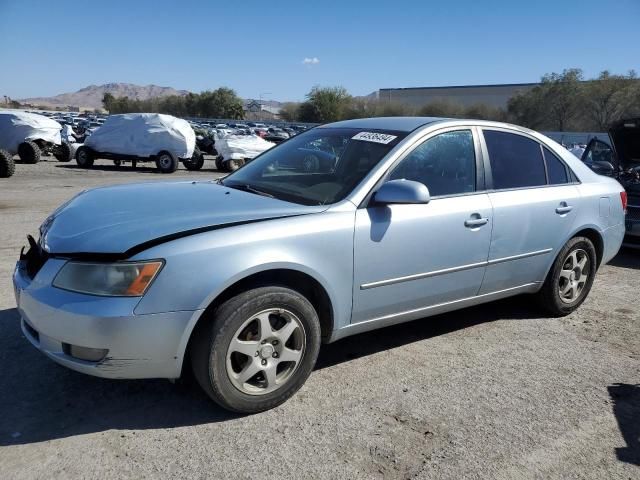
[{"x": 248, "y": 188}]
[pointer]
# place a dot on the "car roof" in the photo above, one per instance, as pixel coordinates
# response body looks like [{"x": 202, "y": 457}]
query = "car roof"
[{"x": 401, "y": 124}]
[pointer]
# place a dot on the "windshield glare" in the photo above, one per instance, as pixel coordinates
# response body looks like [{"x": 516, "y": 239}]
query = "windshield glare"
[{"x": 318, "y": 167}]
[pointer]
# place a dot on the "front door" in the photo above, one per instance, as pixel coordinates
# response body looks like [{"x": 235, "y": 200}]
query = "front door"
[{"x": 410, "y": 257}]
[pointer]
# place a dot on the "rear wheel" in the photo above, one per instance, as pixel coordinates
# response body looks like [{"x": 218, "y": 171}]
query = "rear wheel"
[
  {"x": 63, "y": 153},
  {"x": 7, "y": 165},
  {"x": 85, "y": 157},
  {"x": 258, "y": 349},
  {"x": 29, "y": 152},
  {"x": 166, "y": 162},
  {"x": 233, "y": 165},
  {"x": 196, "y": 162},
  {"x": 570, "y": 279}
]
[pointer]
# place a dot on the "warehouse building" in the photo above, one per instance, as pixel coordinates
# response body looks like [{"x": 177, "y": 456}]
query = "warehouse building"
[{"x": 464, "y": 95}]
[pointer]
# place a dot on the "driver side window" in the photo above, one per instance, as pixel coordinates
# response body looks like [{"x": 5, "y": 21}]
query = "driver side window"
[{"x": 446, "y": 164}]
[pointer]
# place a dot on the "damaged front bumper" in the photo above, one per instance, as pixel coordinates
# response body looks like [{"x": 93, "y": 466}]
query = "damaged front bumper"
[{"x": 100, "y": 336}]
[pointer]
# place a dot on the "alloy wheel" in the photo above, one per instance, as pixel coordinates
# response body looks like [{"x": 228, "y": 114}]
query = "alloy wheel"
[
  {"x": 265, "y": 351},
  {"x": 574, "y": 275}
]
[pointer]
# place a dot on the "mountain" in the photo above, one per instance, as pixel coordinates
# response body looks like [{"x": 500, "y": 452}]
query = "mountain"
[{"x": 91, "y": 97}]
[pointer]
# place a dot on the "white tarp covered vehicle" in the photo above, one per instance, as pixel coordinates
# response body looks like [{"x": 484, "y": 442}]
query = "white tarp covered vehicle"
[
  {"x": 235, "y": 150},
  {"x": 28, "y": 135},
  {"x": 143, "y": 137}
]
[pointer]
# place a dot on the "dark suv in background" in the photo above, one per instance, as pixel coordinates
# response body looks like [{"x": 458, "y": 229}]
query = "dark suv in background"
[{"x": 620, "y": 158}]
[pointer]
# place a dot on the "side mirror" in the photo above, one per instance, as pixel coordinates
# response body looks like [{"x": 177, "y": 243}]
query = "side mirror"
[
  {"x": 603, "y": 168},
  {"x": 402, "y": 191}
]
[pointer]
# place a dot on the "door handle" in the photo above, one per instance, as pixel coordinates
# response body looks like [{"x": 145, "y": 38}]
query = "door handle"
[
  {"x": 563, "y": 208},
  {"x": 475, "y": 222}
]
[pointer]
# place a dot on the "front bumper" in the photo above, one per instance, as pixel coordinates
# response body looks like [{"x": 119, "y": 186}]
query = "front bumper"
[{"x": 138, "y": 346}]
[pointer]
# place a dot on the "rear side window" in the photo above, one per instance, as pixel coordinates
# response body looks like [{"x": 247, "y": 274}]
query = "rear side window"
[
  {"x": 516, "y": 161},
  {"x": 555, "y": 168}
]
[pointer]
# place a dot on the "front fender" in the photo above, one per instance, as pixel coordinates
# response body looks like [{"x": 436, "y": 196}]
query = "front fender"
[{"x": 198, "y": 268}]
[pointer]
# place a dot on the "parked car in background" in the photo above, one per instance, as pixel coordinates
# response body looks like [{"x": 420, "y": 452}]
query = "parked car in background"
[
  {"x": 143, "y": 137},
  {"x": 29, "y": 135},
  {"x": 620, "y": 158},
  {"x": 276, "y": 135},
  {"x": 419, "y": 216}
]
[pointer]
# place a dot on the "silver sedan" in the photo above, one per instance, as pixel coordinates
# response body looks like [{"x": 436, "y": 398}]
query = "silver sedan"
[{"x": 242, "y": 279}]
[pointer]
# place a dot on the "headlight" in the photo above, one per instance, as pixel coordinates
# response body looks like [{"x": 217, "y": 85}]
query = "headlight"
[{"x": 108, "y": 279}]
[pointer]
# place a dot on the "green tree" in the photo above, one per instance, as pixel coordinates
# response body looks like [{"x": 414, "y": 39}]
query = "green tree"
[
  {"x": 482, "y": 111},
  {"x": 561, "y": 98},
  {"x": 525, "y": 109},
  {"x": 551, "y": 105},
  {"x": 220, "y": 103},
  {"x": 108, "y": 101},
  {"x": 289, "y": 111},
  {"x": 325, "y": 104},
  {"x": 611, "y": 97},
  {"x": 441, "y": 108}
]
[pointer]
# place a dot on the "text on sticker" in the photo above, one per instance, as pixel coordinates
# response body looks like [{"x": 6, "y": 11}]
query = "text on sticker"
[{"x": 374, "y": 137}]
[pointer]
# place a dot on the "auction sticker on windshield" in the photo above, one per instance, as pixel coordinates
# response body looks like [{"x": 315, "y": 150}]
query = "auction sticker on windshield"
[{"x": 374, "y": 137}]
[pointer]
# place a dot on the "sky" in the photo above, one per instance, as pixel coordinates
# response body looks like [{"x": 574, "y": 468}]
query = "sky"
[{"x": 279, "y": 50}]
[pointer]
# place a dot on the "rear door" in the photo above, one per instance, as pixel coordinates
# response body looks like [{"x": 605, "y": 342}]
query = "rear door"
[{"x": 535, "y": 201}]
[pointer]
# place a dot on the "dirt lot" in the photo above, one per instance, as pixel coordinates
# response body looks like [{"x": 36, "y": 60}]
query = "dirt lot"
[{"x": 496, "y": 391}]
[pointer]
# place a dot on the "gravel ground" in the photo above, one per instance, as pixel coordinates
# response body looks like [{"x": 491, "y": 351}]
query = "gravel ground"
[{"x": 496, "y": 391}]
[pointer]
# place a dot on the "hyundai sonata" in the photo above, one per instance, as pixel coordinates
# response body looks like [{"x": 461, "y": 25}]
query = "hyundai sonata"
[{"x": 242, "y": 279}]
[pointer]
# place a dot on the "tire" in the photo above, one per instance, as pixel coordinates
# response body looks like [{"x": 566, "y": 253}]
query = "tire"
[
  {"x": 62, "y": 152},
  {"x": 562, "y": 291},
  {"x": 85, "y": 157},
  {"x": 166, "y": 162},
  {"x": 196, "y": 162},
  {"x": 117, "y": 163},
  {"x": 219, "y": 165},
  {"x": 7, "y": 165},
  {"x": 29, "y": 152},
  {"x": 232, "y": 165},
  {"x": 217, "y": 367}
]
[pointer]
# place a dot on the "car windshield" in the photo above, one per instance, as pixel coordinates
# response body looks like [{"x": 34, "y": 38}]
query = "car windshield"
[{"x": 318, "y": 167}]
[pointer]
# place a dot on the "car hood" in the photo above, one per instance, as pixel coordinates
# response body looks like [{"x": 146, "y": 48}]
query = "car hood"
[{"x": 124, "y": 218}]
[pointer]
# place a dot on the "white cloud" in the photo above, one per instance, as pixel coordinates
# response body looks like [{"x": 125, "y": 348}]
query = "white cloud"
[{"x": 311, "y": 61}]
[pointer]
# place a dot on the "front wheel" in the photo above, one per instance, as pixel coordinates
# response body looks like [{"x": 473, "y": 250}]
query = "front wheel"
[
  {"x": 570, "y": 279},
  {"x": 166, "y": 162},
  {"x": 257, "y": 350},
  {"x": 84, "y": 157}
]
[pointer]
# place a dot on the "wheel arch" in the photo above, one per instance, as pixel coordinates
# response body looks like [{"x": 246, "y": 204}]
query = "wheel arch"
[
  {"x": 596, "y": 238},
  {"x": 591, "y": 232},
  {"x": 295, "y": 279}
]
